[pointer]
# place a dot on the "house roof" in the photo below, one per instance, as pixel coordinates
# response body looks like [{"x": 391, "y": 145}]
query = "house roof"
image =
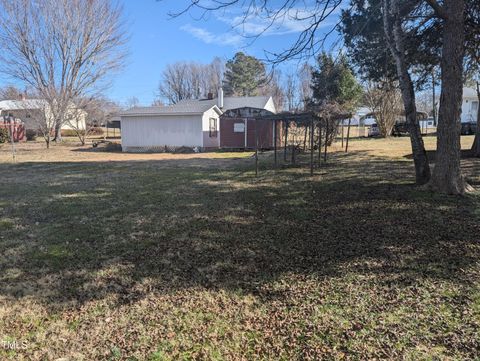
[
  {"x": 200, "y": 106},
  {"x": 22, "y": 104},
  {"x": 469, "y": 93},
  {"x": 177, "y": 109}
]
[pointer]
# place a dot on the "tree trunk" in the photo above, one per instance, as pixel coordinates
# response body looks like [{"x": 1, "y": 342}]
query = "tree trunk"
[
  {"x": 394, "y": 35},
  {"x": 58, "y": 133},
  {"x": 447, "y": 174},
  {"x": 476, "y": 142}
]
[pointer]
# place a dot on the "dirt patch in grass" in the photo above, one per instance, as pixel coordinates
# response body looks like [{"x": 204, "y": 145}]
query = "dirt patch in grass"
[{"x": 171, "y": 257}]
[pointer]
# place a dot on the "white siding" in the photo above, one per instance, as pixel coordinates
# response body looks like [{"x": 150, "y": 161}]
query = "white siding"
[
  {"x": 160, "y": 131},
  {"x": 208, "y": 141},
  {"x": 80, "y": 124},
  {"x": 469, "y": 110},
  {"x": 270, "y": 106}
]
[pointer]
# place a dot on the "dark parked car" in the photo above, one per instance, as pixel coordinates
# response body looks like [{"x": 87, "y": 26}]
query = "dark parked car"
[
  {"x": 399, "y": 129},
  {"x": 469, "y": 128}
]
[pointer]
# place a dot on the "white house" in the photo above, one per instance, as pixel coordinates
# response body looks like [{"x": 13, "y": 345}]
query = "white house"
[
  {"x": 32, "y": 111},
  {"x": 469, "y": 105},
  {"x": 189, "y": 123},
  {"x": 360, "y": 117}
]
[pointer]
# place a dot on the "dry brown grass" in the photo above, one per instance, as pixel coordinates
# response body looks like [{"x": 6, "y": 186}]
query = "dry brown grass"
[
  {"x": 397, "y": 147},
  {"x": 74, "y": 152},
  {"x": 111, "y": 256}
]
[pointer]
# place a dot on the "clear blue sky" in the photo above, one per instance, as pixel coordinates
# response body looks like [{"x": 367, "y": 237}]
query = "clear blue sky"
[{"x": 157, "y": 39}]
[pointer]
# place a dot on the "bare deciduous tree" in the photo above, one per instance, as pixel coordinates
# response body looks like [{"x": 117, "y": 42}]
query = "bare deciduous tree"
[
  {"x": 311, "y": 14},
  {"x": 88, "y": 114},
  {"x": 189, "y": 80},
  {"x": 305, "y": 79},
  {"x": 425, "y": 101},
  {"x": 174, "y": 85},
  {"x": 43, "y": 118},
  {"x": 291, "y": 92},
  {"x": 274, "y": 89},
  {"x": 99, "y": 110},
  {"x": 10, "y": 93},
  {"x": 215, "y": 75},
  {"x": 385, "y": 100},
  {"x": 132, "y": 102},
  {"x": 76, "y": 119},
  {"x": 63, "y": 49},
  {"x": 157, "y": 103}
]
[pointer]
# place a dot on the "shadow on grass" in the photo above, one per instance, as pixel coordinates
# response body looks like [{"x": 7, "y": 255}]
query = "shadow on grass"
[
  {"x": 86, "y": 231},
  {"x": 470, "y": 164},
  {"x": 431, "y": 154}
]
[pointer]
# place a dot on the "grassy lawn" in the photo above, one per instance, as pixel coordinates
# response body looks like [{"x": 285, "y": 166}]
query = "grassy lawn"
[{"x": 110, "y": 256}]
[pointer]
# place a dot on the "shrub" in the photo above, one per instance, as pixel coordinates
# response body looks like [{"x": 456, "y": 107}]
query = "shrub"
[
  {"x": 3, "y": 135},
  {"x": 31, "y": 134}
]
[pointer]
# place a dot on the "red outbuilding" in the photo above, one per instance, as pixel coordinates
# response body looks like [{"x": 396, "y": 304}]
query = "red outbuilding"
[
  {"x": 240, "y": 129},
  {"x": 15, "y": 127}
]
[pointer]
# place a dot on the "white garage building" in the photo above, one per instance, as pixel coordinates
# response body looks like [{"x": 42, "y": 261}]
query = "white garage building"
[
  {"x": 470, "y": 106},
  {"x": 189, "y": 123}
]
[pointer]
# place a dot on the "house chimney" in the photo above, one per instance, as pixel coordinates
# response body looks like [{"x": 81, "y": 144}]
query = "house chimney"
[
  {"x": 220, "y": 97},
  {"x": 210, "y": 96},
  {"x": 23, "y": 96}
]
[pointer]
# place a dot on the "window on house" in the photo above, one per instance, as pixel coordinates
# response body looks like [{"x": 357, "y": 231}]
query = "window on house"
[
  {"x": 28, "y": 115},
  {"x": 474, "y": 107},
  {"x": 213, "y": 128}
]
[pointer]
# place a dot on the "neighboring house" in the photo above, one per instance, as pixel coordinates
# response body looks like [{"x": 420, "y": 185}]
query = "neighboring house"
[
  {"x": 469, "y": 105},
  {"x": 358, "y": 117},
  {"x": 191, "y": 123},
  {"x": 31, "y": 112},
  {"x": 427, "y": 125}
]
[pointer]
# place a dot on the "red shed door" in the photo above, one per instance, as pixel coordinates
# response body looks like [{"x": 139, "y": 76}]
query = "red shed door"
[{"x": 232, "y": 132}]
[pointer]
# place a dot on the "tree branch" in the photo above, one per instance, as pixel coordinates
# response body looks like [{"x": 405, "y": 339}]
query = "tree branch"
[{"x": 439, "y": 10}]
